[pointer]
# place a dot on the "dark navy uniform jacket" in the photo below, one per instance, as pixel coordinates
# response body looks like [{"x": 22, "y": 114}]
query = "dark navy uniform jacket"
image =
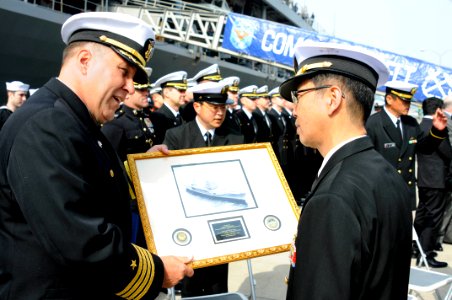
[
  {"x": 133, "y": 131},
  {"x": 64, "y": 207},
  {"x": 382, "y": 132},
  {"x": 354, "y": 233},
  {"x": 189, "y": 135}
]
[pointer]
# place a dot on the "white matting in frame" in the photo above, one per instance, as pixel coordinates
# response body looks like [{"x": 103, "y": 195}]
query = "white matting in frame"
[{"x": 217, "y": 204}]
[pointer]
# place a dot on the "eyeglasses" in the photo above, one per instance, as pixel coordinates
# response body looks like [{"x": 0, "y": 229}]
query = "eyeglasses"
[
  {"x": 296, "y": 94},
  {"x": 215, "y": 107}
]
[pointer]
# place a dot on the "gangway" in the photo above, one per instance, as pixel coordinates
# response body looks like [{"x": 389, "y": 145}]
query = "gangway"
[{"x": 194, "y": 27}]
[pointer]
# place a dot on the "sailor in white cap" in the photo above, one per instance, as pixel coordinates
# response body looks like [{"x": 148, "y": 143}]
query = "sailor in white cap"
[
  {"x": 210, "y": 100},
  {"x": 231, "y": 119},
  {"x": 284, "y": 135},
  {"x": 17, "y": 94},
  {"x": 398, "y": 137},
  {"x": 61, "y": 175},
  {"x": 358, "y": 210},
  {"x": 248, "y": 125},
  {"x": 209, "y": 74},
  {"x": 174, "y": 87},
  {"x": 265, "y": 131}
]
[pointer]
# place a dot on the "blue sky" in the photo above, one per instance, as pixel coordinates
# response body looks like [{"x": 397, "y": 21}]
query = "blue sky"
[{"x": 417, "y": 28}]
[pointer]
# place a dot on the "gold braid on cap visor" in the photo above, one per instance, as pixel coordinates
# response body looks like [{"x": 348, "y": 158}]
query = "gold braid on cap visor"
[
  {"x": 139, "y": 86},
  {"x": 249, "y": 95},
  {"x": 402, "y": 95},
  {"x": 324, "y": 64},
  {"x": 126, "y": 50},
  {"x": 212, "y": 77},
  {"x": 177, "y": 85}
]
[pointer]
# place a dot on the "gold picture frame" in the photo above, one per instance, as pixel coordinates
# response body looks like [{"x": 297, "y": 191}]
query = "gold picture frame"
[{"x": 217, "y": 204}]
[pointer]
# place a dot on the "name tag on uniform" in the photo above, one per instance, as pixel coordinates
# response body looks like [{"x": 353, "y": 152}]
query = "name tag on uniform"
[{"x": 389, "y": 145}]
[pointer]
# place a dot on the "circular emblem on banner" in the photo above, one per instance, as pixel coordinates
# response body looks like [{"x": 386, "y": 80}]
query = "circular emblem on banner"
[
  {"x": 242, "y": 33},
  {"x": 182, "y": 237},
  {"x": 272, "y": 222}
]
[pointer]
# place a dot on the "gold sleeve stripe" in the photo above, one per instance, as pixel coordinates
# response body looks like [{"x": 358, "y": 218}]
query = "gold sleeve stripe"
[
  {"x": 147, "y": 284},
  {"x": 146, "y": 281},
  {"x": 143, "y": 278},
  {"x": 438, "y": 137}
]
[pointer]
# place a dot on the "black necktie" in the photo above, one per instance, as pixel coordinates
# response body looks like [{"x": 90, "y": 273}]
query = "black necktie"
[
  {"x": 399, "y": 132},
  {"x": 254, "y": 124},
  {"x": 178, "y": 120},
  {"x": 208, "y": 139}
]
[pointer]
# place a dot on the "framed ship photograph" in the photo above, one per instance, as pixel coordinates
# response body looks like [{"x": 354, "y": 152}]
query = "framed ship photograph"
[{"x": 217, "y": 204}]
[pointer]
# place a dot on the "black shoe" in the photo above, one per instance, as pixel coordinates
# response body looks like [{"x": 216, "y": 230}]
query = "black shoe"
[
  {"x": 433, "y": 263},
  {"x": 438, "y": 247}
]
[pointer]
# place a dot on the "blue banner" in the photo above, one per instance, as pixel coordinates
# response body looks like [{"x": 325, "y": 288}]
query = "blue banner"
[{"x": 275, "y": 42}]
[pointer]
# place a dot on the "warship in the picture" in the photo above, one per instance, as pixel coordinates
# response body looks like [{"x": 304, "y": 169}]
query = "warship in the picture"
[{"x": 213, "y": 192}]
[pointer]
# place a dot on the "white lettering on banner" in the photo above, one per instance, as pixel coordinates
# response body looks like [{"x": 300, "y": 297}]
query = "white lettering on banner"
[
  {"x": 404, "y": 70},
  {"x": 278, "y": 43},
  {"x": 433, "y": 76}
]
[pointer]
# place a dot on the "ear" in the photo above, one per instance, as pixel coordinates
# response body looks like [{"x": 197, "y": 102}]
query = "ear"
[
  {"x": 389, "y": 99},
  {"x": 197, "y": 106},
  {"x": 334, "y": 100},
  {"x": 84, "y": 58}
]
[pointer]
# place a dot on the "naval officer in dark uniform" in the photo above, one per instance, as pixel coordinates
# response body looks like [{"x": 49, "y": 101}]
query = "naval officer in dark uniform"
[
  {"x": 248, "y": 124},
  {"x": 210, "y": 100},
  {"x": 398, "y": 136},
  {"x": 174, "y": 86},
  {"x": 64, "y": 211},
  {"x": 231, "y": 120},
  {"x": 134, "y": 129},
  {"x": 354, "y": 233}
]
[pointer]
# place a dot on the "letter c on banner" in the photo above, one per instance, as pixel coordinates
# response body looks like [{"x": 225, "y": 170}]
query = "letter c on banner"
[{"x": 269, "y": 34}]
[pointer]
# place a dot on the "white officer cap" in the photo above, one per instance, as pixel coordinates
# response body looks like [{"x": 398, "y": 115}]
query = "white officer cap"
[
  {"x": 274, "y": 92},
  {"x": 212, "y": 92},
  {"x": 211, "y": 73},
  {"x": 191, "y": 82},
  {"x": 155, "y": 90},
  {"x": 401, "y": 89},
  {"x": 17, "y": 86},
  {"x": 177, "y": 80},
  {"x": 128, "y": 36},
  {"x": 233, "y": 83},
  {"x": 262, "y": 91},
  {"x": 249, "y": 92},
  {"x": 312, "y": 58}
]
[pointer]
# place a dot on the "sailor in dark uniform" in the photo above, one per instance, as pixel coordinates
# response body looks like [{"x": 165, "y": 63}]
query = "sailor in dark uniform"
[
  {"x": 354, "y": 232},
  {"x": 398, "y": 136},
  {"x": 231, "y": 120},
  {"x": 265, "y": 130},
  {"x": 248, "y": 124},
  {"x": 134, "y": 130},
  {"x": 174, "y": 86},
  {"x": 210, "y": 100},
  {"x": 209, "y": 74},
  {"x": 285, "y": 133},
  {"x": 65, "y": 221},
  {"x": 17, "y": 94}
]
